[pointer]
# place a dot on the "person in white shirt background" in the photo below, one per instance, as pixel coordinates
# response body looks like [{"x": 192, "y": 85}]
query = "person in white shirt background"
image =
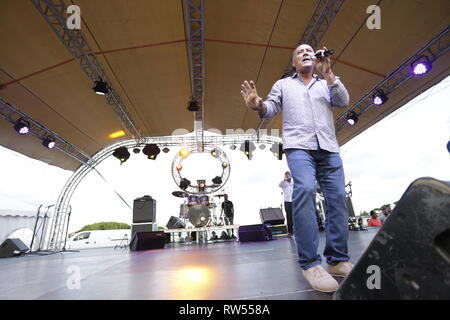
[{"x": 288, "y": 185}]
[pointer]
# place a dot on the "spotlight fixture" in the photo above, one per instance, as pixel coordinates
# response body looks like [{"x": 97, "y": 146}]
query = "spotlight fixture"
[
  {"x": 193, "y": 105},
  {"x": 277, "y": 149},
  {"x": 184, "y": 183},
  {"x": 352, "y": 118},
  {"x": 49, "y": 143},
  {"x": 379, "y": 97},
  {"x": 184, "y": 152},
  {"x": 179, "y": 167},
  {"x": 151, "y": 151},
  {"x": 22, "y": 126},
  {"x": 201, "y": 185},
  {"x": 136, "y": 150},
  {"x": 122, "y": 154},
  {"x": 224, "y": 165},
  {"x": 214, "y": 153},
  {"x": 248, "y": 147},
  {"x": 166, "y": 150},
  {"x": 100, "y": 87},
  {"x": 217, "y": 180},
  {"x": 421, "y": 66}
]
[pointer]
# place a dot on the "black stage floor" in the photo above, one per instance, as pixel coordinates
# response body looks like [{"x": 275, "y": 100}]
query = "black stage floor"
[{"x": 214, "y": 271}]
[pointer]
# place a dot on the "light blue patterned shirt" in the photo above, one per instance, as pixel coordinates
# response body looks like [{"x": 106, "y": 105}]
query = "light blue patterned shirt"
[{"x": 308, "y": 121}]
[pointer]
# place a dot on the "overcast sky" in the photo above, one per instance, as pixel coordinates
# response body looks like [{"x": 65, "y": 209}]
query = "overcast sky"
[{"x": 381, "y": 163}]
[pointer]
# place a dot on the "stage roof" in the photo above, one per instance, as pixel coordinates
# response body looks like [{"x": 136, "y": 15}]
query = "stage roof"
[{"x": 142, "y": 46}]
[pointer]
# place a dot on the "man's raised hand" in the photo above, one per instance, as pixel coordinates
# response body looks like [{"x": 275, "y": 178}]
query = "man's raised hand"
[{"x": 250, "y": 95}]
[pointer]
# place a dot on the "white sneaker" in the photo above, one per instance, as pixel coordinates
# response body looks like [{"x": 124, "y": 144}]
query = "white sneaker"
[
  {"x": 320, "y": 280},
  {"x": 342, "y": 269}
]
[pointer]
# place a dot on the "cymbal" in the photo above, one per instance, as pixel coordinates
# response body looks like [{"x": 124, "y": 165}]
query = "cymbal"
[
  {"x": 179, "y": 194},
  {"x": 219, "y": 195}
]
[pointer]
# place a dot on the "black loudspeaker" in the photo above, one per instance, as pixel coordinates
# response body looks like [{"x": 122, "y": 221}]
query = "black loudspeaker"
[
  {"x": 254, "y": 232},
  {"x": 409, "y": 257},
  {"x": 271, "y": 216},
  {"x": 175, "y": 223},
  {"x": 144, "y": 210},
  {"x": 148, "y": 241},
  {"x": 12, "y": 247}
]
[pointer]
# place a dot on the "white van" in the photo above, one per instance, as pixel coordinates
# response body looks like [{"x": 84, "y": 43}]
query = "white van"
[{"x": 99, "y": 239}]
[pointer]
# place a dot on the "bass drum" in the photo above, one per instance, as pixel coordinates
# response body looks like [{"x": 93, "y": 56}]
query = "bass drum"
[{"x": 199, "y": 215}]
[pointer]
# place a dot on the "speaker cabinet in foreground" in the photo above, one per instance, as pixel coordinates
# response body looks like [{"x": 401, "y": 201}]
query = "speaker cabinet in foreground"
[
  {"x": 254, "y": 232},
  {"x": 409, "y": 257},
  {"x": 12, "y": 247},
  {"x": 148, "y": 241}
]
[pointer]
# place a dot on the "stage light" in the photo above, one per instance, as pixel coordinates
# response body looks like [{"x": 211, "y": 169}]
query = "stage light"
[
  {"x": 201, "y": 185},
  {"x": 122, "y": 154},
  {"x": 22, "y": 126},
  {"x": 217, "y": 180},
  {"x": 224, "y": 165},
  {"x": 166, "y": 150},
  {"x": 214, "y": 153},
  {"x": 136, "y": 150},
  {"x": 184, "y": 183},
  {"x": 117, "y": 134},
  {"x": 100, "y": 87},
  {"x": 379, "y": 97},
  {"x": 448, "y": 146},
  {"x": 421, "y": 66},
  {"x": 184, "y": 152},
  {"x": 193, "y": 105},
  {"x": 352, "y": 118},
  {"x": 277, "y": 150},
  {"x": 49, "y": 143},
  {"x": 179, "y": 167},
  {"x": 248, "y": 147},
  {"x": 151, "y": 151}
]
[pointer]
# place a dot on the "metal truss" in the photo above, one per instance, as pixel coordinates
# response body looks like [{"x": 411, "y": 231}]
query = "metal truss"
[
  {"x": 12, "y": 114},
  {"x": 317, "y": 26},
  {"x": 60, "y": 220},
  {"x": 54, "y": 13},
  {"x": 322, "y": 17},
  {"x": 195, "y": 30},
  {"x": 434, "y": 49}
]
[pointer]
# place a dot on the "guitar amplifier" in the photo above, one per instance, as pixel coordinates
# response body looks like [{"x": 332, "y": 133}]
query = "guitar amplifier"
[
  {"x": 272, "y": 216},
  {"x": 144, "y": 210}
]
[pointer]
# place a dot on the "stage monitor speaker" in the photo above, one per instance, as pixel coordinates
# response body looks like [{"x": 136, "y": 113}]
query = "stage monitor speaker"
[
  {"x": 175, "y": 223},
  {"x": 148, "y": 241},
  {"x": 144, "y": 210},
  {"x": 272, "y": 216},
  {"x": 409, "y": 257},
  {"x": 12, "y": 247},
  {"x": 254, "y": 232}
]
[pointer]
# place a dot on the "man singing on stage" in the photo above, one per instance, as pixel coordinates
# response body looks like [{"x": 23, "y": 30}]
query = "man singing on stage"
[{"x": 312, "y": 151}]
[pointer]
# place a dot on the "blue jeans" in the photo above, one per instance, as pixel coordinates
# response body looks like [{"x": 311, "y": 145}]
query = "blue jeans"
[{"x": 306, "y": 167}]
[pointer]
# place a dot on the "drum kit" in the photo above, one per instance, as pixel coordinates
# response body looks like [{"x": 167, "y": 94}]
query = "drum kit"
[{"x": 201, "y": 210}]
